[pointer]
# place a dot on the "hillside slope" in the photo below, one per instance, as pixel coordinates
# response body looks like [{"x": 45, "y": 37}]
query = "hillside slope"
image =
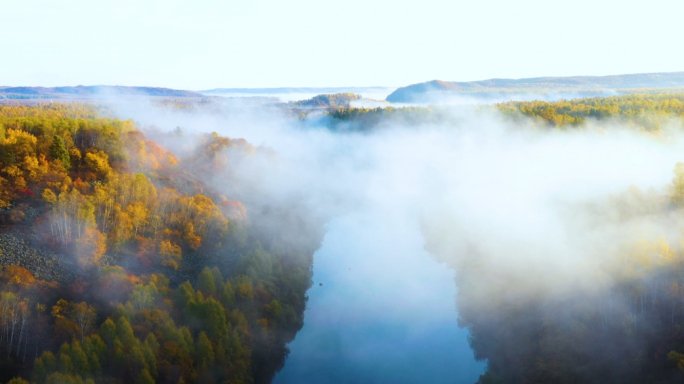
[
  {"x": 424, "y": 91},
  {"x": 127, "y": 260}
]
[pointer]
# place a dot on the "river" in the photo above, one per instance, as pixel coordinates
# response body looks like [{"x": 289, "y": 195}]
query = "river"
[{"x": 385, "y": 312}]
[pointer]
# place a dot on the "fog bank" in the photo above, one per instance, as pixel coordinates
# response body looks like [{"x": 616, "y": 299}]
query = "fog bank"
[{"x": 520, "y": 212}]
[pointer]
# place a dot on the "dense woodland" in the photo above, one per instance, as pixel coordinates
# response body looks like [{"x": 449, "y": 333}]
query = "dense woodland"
[
  {"x": 172, "y": 281},
  {"x": 648, "y": 111}
]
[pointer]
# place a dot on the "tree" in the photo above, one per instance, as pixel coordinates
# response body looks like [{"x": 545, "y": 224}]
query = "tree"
[
  {"x": 49, "y": 196},
  {"x": 678, "y": 184},
  {"x": 205, "y": 282},
  {"x": 108, "y": 333},
  {"x": 59, "y": 152},
  {"x": 170, "y": 253},
  {"x": 43, "y": 366},
  {"x": 90, "y": 247},
  {"x": 144, "y": 378},
  {"x": 192, "y": 239},
  {"x": 143, "y": 296},
  {"x": 205, "y": 352},
  {"x": 139, "y": 216},
  {"x": 74, "y": 319},
  {"x": 10, "y": 315},
  {"x": 124, "y": 332},
  {"x": 84, "y": 316},
  {"x": 99, "y": 162},
  {"x": 16, "y": 145}
]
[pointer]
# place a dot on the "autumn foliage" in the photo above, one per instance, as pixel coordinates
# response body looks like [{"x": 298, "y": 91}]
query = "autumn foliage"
[{"x": 171, "y": 283}]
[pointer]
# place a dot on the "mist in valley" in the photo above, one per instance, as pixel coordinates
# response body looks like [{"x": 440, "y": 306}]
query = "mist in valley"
[
  {"x": 367, "y": 192},
  {"x": 459, "y": 221}
]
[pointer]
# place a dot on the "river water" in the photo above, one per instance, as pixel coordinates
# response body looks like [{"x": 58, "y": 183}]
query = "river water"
[{"x": 384, "y": 314}]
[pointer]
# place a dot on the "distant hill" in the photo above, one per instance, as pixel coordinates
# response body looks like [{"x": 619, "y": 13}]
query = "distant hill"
[
  {"x": 90, "y": 91},
  {"x": 433, "y": 89}
]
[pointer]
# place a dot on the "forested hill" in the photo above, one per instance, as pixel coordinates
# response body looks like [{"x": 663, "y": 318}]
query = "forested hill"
[
  {"x": 429, "y": 90},
  {"x": 81, "y": 91},
  {"x": 120, "y": 263},
  {"x": 337, "y": 100}
]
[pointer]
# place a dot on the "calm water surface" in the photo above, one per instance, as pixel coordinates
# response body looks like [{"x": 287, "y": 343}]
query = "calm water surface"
[{"x": 384, "y": 314}]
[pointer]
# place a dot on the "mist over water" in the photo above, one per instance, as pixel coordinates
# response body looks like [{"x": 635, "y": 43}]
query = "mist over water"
[
  {"x": 385, "y": 311},
  {"x": 410, "y": 207}
]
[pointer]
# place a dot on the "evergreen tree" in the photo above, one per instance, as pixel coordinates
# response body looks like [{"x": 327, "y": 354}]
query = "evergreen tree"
[{"x": 59, "y": 152}]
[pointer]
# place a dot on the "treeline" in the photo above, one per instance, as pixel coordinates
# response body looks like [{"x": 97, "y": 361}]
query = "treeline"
[
  {"x": 45, "y": 111},
  {"x": 645, "y": 111},
  {"x": 642, "y": 111},
  {"x": 177, "y": 283},
  {"x": 366, "y": 119}
]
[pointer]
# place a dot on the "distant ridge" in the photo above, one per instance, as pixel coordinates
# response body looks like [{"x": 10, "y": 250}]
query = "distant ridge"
[
  {"x": 431, "y": 89},
  {"x": 94, "y": 90}
]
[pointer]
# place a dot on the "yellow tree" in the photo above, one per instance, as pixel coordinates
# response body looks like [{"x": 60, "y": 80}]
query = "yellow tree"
[
  {"x": 170, "y": 254},
  {"x": 139, "y": 216},
  {"x": 99, "y": 162},
  {"x": 90, "y": 247}
]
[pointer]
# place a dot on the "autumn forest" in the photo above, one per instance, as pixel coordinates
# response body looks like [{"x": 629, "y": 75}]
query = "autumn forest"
[{"x": 142, "y": 273}]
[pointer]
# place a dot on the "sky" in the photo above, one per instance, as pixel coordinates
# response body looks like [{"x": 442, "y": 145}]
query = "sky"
[{"x": 205, "y": 44}]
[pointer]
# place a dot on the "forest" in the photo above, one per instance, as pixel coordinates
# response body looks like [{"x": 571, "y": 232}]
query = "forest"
[
  {"x": 648, "y": 110},
  {"x": 120, "y": 264}
]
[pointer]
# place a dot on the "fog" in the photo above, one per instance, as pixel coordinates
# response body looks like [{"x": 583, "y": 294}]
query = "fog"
[
  {"x": 530, "y": 212},
  {"x": 295, "y": 94},
  {"x": 441, "y": 98}
]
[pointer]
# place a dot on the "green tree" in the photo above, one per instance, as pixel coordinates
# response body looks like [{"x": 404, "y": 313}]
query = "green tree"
[
  {"x": 59, "y": 152},
  {"x": 205, "y": 282},
  {"x": 108, "y": 333},
  {"x": 144, "y": 378},
  {"x": 205, "y": 352}
]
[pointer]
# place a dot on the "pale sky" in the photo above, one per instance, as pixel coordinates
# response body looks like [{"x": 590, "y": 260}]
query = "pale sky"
[{"x": 203, "y": 44}]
